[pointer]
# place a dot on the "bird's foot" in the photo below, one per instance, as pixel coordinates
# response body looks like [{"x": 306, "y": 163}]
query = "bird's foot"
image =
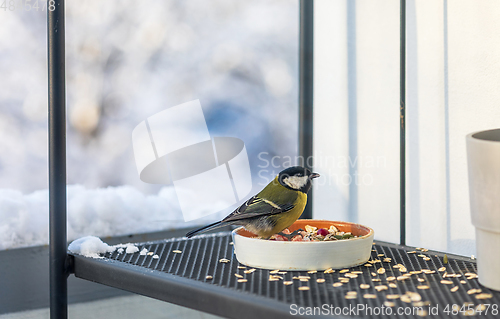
[{"x": 292, "y": 234}]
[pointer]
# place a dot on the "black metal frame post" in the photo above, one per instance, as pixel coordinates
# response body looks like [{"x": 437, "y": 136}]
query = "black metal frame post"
[
  {"x": 306, "y": 72},
  {"x": 57, "y": 160},
  {"x": 402, "y": 129}
]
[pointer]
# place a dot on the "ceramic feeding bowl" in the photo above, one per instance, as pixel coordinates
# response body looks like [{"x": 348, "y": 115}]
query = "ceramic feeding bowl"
[{"x": 305, "y": 255}]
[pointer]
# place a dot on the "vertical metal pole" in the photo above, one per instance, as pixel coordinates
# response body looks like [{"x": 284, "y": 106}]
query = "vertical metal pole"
[
  {"x": 402, "y": 129},
  {"x": 57, "y": 160},
  {"x": 306, "y": 66}
]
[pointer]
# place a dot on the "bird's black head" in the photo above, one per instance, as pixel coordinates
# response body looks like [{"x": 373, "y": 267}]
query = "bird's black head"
[{"x": 297, "y": 178}]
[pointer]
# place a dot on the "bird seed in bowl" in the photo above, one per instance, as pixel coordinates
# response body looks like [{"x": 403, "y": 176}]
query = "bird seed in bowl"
[{"x": 312, "y": 233}]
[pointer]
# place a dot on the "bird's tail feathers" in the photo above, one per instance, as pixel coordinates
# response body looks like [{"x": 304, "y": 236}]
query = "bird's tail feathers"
[{"x": 205, "y": 228}]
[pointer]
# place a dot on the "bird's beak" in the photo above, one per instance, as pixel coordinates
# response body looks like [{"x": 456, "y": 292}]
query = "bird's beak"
[{"x": 314, "y": 175}]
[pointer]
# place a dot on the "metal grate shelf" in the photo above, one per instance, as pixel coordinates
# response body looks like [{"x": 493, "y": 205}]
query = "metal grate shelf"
[{"x": 181, "y": 278}]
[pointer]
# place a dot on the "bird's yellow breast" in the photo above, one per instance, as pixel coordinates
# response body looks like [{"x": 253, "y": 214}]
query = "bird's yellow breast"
[{"x": 286, "y": 219}]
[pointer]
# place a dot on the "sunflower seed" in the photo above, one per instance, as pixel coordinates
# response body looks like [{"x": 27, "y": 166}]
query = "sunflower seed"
[
  {"x": 442, "y": 269},
  {"x": 320, "y": 280},
  {"x": 447, "y": 282},
  {"x": 329, "y": 271},
  {"x": 412, "y": 252},
  {"x": 351, "y": 297},
  {"x": 370, "y": 296},
  {"x": 312, "y": 271},
  {"x": 416, "y": 272},
  {"x": 480, "y": 307},
  {"x": 242, "y": 280},
  {"x": 368, "y": 265},
  {"x": 392, "y": 296},
  {"x": 454, "y": 289},
  {"x": 405, "y": 298},
  {"x": 422, "y": 287},
  {"x": 224, "y": 260},
  {"x": 364, "y": 286},
  {"x": 238, "y": 275},
  {"x": 389, "y": 304},
  {"x": 381, "y": 271},
  {"x": 393, "y": 285},
  {"x": 374, "y": 274},
  {"x": 351, "y": 275},
  {"x": 209, "y": 277},
  {"x": 304, "y": 280},
  {"x": 376, "y": 279},
  {"x": 462, "y": 281},
  {"x": 274, "y": 271},
  {"x": 287, "y": 283},
  {"x": 242, "y": 267},
  {"x": 304, "y": 288},
  {"x": 150, "y": 253},
  {"x": 381, "y": 287},
  {"x": 344, "y": 280},
  {"x": 484, "y": 296},
  {"x": 473, "y": 291},
  {"x": 343, "y": 271},
  {"x": 391, "y": 278},
  {"x": 352, "y": 293},
  {"x": 380, "y": 255},
  {"x": 337, "y": 284}
]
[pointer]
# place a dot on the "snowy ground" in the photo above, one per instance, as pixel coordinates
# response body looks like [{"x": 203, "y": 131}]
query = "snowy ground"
[
  {"x": 126, "y": 61},
  {"x": 100, "y": 212}
]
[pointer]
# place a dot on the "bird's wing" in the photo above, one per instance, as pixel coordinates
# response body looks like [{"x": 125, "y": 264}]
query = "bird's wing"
[{"x": 257, "y": 207}]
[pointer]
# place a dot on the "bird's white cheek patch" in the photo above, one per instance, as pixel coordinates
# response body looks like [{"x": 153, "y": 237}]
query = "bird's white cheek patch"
[{"x": 296, "y": 182}]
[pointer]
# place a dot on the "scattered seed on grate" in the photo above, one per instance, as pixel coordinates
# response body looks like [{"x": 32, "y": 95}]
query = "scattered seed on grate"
[
  {"x": 209, "y": 277},
  {"x": 242, "y": 280},
  {"x": 364, "y": 286},
  {"x": 484, "y": 296},
  {"x": 370, "y": 296},
  {"x": 381, "y": 287},
  {"x": 238, "y": 275},
  {"x": 329, "y": 271},
  {"x": 320, "y": 280},
  {"x": 312, "y": 271},
  {"x": 304, "y": 288},
  {"x": 177, "y": 251},
  {"x": 224, "y": 260},
  {"x": 337, "y": 284},
  {"x": 287, "y": 283}
]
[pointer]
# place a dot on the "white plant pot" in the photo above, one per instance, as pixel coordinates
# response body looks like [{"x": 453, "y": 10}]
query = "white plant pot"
[{"x": 483, "y": 158}]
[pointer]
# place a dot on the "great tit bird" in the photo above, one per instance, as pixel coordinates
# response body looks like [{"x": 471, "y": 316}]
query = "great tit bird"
[{"x": 275, "y": 208}]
